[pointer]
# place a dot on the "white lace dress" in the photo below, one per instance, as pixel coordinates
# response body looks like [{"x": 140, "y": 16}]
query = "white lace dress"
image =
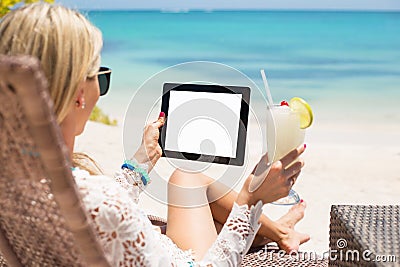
[{"x": 129, "y": 237}]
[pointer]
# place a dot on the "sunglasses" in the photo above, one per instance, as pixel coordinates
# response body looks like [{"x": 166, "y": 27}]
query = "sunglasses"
[{"x": 104, "y": 76}]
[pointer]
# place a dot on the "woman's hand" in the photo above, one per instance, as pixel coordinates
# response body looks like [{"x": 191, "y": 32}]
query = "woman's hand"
[
  {"x": 150, "y": 151},
  {"x": 278, "y": 182}
]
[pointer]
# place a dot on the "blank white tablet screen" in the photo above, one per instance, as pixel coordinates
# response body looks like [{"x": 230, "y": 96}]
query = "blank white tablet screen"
[{"x": 203, "y": 123}]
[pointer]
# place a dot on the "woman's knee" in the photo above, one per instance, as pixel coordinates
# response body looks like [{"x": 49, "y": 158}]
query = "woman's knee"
[
  {"x": 187, "y": 189},
  {"x": 189, "y": 179}
]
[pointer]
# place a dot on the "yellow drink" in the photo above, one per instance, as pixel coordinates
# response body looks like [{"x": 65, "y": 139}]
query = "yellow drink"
[{"x": 283, "y": 132}]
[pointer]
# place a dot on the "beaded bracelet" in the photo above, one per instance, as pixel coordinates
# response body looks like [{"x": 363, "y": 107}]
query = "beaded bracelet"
[{"x": 133, "y": 166}]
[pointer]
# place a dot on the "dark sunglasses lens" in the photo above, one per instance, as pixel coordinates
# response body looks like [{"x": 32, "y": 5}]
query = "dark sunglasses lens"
[
  {"x": 104, "y": 80},
  {"x": 103, "y": 83}
]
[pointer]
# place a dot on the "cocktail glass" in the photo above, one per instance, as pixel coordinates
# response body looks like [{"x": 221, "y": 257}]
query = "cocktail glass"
[{"x": 283, "y": 135}]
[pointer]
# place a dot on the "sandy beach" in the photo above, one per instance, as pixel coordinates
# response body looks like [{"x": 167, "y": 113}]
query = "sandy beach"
[
  {"x": 348, "y": 72},
  {"x": 346, "y": 163}
]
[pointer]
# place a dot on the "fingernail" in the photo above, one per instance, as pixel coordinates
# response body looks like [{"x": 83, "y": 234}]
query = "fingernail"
[
  {"x": 305, "y": 146},
  {"x": 301, "y": 200},
  {"x": 162, "y": 114}
]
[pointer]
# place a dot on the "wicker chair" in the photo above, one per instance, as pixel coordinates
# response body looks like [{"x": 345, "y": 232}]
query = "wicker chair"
[
  {"x": 42, "y": 219},
  {"x": 358, "y": 234}
]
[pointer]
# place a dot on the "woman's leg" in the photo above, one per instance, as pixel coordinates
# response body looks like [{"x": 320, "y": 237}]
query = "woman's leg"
[
  {"x": 280, "y": 231},
  {"x": 290, "y": 239},
  {"x": 190, "y": 221}
]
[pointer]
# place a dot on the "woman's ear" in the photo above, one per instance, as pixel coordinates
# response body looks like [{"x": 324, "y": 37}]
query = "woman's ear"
[{"x": 80, "y": 99}]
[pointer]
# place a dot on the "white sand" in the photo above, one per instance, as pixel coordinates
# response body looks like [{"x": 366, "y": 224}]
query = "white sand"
[{"x": 346, "y": 163}]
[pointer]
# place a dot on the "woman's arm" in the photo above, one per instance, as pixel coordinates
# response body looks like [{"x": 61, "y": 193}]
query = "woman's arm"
[
  {"x": 133, "y": 175},
  {"x": 150, "y": 151},
  {"x": 236, "y": 236}
]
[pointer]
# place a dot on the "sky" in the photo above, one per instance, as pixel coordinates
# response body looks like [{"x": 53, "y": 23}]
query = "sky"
[{"x": 235, "y": 4}]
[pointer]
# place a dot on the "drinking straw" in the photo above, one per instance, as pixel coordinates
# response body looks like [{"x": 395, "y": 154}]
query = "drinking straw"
[{"x": 269, "y": 96}]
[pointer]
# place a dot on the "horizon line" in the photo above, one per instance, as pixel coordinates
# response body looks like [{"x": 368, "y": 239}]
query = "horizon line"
[{"x": 186, "y": 10}]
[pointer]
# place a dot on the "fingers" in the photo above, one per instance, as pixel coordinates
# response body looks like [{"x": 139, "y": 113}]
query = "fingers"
[
  {"x": 292, "y": 155},
  {"x": 292, "y": 180},
  {"x": 161, "y": 119},
  {"x": 262, "y": 166},
  {"x": 304, "y": 238},
  {"x": 161, "y": 116},
  {"x": 159, "y": 151},
  {"x": 293, "y": 171}
]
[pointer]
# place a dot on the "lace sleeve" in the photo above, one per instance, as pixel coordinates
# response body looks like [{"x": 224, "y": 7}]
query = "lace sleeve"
[
  {"x": 132, "y": 180},
  {"x": 125, "y": 232},
  {"x": 235, "y": 238}
]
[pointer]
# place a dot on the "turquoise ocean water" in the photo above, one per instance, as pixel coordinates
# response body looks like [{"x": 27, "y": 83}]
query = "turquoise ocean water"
[{"x": 346, "y": 64}]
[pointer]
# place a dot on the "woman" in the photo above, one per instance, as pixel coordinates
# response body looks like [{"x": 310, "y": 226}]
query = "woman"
[{"x": 68, "y": 47}]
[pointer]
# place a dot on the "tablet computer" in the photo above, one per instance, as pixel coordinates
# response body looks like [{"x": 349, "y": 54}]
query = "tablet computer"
[{"x": 205, "y": 122}]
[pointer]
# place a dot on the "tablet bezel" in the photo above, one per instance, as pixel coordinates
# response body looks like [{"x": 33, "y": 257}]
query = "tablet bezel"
[{"x": 209, "y": 88}]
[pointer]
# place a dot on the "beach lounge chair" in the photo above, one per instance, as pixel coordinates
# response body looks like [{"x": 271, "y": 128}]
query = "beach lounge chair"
[
  {"x": 361, "y": 235},
  {"x": 42, "y": 219}
]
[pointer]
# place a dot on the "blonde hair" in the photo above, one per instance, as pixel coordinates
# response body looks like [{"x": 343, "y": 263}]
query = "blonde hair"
[
  {"x": 66, "y": 43},
  {"x": 68, "y": 47},
  {"x": 85, "y": 162}
]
